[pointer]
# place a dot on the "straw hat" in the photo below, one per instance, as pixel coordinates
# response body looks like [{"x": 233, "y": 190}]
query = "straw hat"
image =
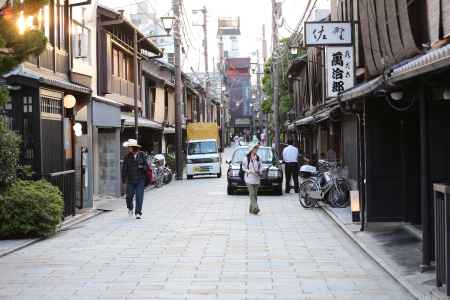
[
  {"x": 131, "y": 143},
  {"x": 252, "y": 146}
]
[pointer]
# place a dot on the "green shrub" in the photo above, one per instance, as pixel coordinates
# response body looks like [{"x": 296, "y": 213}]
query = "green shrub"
[
  {"x": 9, "y": 154},
  {"x": 30, "y": 209}
]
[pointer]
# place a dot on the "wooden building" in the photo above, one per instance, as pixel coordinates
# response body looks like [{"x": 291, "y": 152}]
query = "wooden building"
[
  {"x": 39, "y": 109},
  {"x": 393, "y": 122}
]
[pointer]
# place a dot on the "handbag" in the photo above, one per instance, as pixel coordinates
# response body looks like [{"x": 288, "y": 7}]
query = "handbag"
[
  {"x": 241, "y": 172},
  {"x": 148, "y": 170}
]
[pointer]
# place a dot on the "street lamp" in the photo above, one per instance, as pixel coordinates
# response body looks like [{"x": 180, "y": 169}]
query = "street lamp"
[{"x": 167, "y": 23}]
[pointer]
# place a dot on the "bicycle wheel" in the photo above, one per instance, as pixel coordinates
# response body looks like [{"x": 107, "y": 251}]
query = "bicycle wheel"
[
  {"x": 303, "y": 196},
  {"x": 339, "y": 195}
]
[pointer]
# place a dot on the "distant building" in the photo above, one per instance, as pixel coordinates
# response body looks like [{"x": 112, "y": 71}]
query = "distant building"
[
  {"x": 230, "y": 31},
  {"x": 238, "y": 86}
]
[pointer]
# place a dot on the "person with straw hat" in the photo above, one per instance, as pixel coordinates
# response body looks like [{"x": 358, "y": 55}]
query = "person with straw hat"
[
  {"x": 252, "y": 167},
  {"x": 134, "y": 172}
]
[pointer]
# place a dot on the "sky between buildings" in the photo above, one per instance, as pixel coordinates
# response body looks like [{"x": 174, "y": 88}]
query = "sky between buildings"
[{"x": 253, "y": 14}]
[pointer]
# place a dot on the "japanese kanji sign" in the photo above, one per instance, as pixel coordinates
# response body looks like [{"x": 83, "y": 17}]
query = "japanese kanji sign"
[
  {"x": 339, "y": 70},
  {"x": 328, "y": 33}
]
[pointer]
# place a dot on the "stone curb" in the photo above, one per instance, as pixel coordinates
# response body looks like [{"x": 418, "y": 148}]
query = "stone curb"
[
  {"x": 397, "y": 277},
  {"x": 79, "y": 219},
  {"x": 24, "y": 245},
  {"x": 65, "y": 225}
]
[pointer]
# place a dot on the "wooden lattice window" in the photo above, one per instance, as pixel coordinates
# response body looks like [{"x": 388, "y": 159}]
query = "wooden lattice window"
[{"x": 51, "y": 108}]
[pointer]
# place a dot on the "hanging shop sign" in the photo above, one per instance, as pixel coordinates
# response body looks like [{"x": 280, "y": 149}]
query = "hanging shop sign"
[
  {"x": 339, "y": 69},
  {"x": 328, "y": 33}
]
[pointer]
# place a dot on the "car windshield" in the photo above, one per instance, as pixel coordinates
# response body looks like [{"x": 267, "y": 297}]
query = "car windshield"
[
  {"x": 208, "y": 147},
  {"x": 266, "y": 155}
]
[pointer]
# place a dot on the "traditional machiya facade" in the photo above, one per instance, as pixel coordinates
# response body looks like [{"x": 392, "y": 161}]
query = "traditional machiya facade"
[
  {"x": 114, "y": 120},
  {"x": 50, "y": 92},
  {"x": 388, "y": 130}
]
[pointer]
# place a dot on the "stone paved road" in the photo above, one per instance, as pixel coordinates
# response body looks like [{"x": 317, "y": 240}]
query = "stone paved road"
[{"x": 195, "y": 242}]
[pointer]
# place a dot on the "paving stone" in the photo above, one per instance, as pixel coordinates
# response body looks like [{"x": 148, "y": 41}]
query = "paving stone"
[{"x": 196, "y": 242}]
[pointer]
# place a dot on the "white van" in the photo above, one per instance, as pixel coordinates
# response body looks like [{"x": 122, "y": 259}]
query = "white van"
[{"x": 203, "y": 158}]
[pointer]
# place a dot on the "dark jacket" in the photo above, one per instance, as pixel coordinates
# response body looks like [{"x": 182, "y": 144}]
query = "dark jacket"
[{"x": 133, "y": 169}]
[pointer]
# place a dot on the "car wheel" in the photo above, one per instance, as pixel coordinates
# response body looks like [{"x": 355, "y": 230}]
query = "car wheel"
[
  {"x": 230, "y": 190},
  {"x": 219, "y": 174},
  {"x": 189, "y": 177}
]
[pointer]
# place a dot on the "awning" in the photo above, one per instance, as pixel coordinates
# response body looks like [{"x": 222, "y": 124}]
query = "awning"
[
  {"x": 107, "y": 101},
  {"x": 362, "y": 89},
  {"x": 316, "y": 118},
  {"x": 142, "y": 122},
  {"x": 47, "y": 79},
  {"x": 432, "y": 61},
  {"x": 297, "y": 64}
]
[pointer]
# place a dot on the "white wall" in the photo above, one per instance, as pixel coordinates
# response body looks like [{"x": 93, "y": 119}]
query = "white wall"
[
  {"x": 86, "y": 14},
  {"x": 231, "y": 44}
]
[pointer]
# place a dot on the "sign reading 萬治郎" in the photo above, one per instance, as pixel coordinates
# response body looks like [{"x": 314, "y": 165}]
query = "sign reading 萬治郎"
[{"x": 339, "y": 69}]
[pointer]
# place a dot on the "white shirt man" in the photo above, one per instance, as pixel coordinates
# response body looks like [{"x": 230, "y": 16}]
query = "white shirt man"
[
  {"x": 290, "y": 154},
  {"x": 290, "y": 157}
]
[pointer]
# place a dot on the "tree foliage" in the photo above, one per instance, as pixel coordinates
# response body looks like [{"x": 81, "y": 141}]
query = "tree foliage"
[
  {"x": 284, "y": 61},
  {"x": 14, "y": 49},
  {"x": 9, "y": 155}
]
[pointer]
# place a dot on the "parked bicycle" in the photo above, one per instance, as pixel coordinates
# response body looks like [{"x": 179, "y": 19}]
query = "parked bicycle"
[
  {"x": 160, "y": 172},
  {"x": 326, "y": 184},
  {"x": 163, "y": 170}
]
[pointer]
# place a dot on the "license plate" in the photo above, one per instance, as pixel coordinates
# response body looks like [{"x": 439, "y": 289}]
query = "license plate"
[{"x": 201, "y": 169}]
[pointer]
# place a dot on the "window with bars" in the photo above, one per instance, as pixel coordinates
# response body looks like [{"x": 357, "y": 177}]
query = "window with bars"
[{"x": 51, "y": 106}]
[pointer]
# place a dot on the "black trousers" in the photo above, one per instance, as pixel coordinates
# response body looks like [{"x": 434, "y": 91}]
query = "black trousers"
[{"x": 291, "y": 170}]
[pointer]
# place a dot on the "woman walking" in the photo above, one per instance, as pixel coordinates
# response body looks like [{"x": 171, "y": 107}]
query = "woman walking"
[{"x": 252, "y": 168}]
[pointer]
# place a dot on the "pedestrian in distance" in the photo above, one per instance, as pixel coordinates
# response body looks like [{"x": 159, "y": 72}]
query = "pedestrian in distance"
[
  {"x": 290, "y": 158},
  {"x": 134, "y": 175},
  {"x": 252, "y": 168}
]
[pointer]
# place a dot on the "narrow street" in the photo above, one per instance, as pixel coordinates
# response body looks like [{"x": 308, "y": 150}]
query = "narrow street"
[{"x": 195, "y": 242}]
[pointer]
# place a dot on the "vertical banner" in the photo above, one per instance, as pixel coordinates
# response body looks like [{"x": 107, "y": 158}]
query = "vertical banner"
[{"x": 339, "y": 66}]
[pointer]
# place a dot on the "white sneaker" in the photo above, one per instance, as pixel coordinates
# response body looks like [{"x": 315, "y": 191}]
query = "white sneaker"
[
  {"x": 138, "y": 216},
  {"x": 130, "y": 213}
]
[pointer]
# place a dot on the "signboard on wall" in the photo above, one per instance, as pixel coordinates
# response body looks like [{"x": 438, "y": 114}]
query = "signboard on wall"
[
  {"x": 339, "y": 68},
  {"x": 328, "y": 33},
  {"x": 242, "y": 122}
]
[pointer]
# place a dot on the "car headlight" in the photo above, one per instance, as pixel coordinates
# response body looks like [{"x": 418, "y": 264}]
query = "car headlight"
[
  {"x": 189, "y": 161},
  {"x": 234, "y": 173},
  {"x": 274, "y": 173}
]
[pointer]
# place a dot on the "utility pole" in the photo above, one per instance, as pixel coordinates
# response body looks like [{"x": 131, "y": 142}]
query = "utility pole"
[
  {"x": 178, "y": 91},
  {"x": 222, "y": 94},
  {"x": 259, "y": 91},
  {"x": 275, "y": 73},
  {"x": 204, "y": 11},
  {"x": 136, "y": 87}
]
